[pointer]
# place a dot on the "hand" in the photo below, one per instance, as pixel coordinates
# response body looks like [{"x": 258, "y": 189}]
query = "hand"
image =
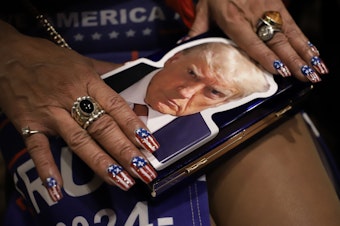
[
  {"x": 40, "y": 81},
  {"x": 288, "y": 52}
]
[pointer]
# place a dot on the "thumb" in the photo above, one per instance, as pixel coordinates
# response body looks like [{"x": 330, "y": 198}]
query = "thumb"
[{"x": 201, "y": 22}]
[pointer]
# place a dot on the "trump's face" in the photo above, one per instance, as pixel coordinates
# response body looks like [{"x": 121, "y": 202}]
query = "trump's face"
[{"x": 187, "y": 85}]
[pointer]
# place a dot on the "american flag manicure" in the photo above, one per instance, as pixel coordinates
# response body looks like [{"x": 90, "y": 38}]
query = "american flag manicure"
[
  {"x": 319, "y": 65},
  {"x": 281, "y": 68},
  {"x": 313, "y": 48},
  {"x": 145, "y": 139},
  {"x": 120, "y": 177},
  {"x": 53, "y": 189},
  {"x": 143, "y": 169},
  {"x": 310, "y": 74}
]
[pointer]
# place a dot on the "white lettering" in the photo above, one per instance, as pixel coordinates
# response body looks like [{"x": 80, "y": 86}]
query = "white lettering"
[
  {"x": 71, "y": 20},
  {"x": 34, "y": 186},
  {"x": 15, "y": 179},
  {"x": 108, "y": 16},
  {"x": 106, "y": 212},
  {"x": 156, "y": 13},
  {"x": 70, "y": 187},
  {"x": 111, "y": 17},
  {"x": 123, "y": 16},
  {"x": 137, "y": 15},
  {"x": 141, "y": 212},
  {"x": 89, "y": 19},
  {"x": 80, "y": 220}
]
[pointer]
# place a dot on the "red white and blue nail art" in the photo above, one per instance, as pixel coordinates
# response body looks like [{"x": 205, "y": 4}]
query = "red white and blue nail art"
[
  {"x": 281, "y": 68},
  {"x": 313, "y": 48},
  {"x": 143, "y": 169},
  {"x": 146, "y": 140},
  {"x": 310, "y": 74},
  {"x": 319, "y": 65},
  {"x": 53, "y": 189},
  {"x": 120, "y": 177}
]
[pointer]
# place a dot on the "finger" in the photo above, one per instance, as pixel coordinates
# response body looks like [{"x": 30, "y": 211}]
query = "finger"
[
  {"x": 272, "y": 60},
  {"x": 92, "y": 153},
  {"x": 39, "y": 149},
  {"x": 120, "y": 133},
  {"x": 201, "y": 22},
  {"x": 299, "y": 67},
  {"x": 305, "y": 49},
  {"x": 127, "y": 121},
  {"x": 121, "y": 149},
  {"x": 241, "y": 31}
]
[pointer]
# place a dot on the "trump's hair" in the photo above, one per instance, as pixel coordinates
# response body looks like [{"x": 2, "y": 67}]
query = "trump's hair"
[{"x": 233, "y": 66}]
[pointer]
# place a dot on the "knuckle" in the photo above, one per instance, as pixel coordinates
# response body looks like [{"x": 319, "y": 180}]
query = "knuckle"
[
  {"x": 278, "y": 40},
  {"x": 115, "y": 103},
  {"x": 104, "y": 125},
  {"x": 98, "y": 158},
  {"x": 78, "y": 139},
  {"x": 125, "y": 151}
]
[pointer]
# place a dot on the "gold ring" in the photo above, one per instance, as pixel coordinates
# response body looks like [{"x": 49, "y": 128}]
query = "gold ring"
[
  {"x": 270, "y": 23},
  {"x": 86, "y": 110}
]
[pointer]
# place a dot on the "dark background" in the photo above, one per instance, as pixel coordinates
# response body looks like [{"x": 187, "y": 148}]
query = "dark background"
[{"x": 319, "y": 21}]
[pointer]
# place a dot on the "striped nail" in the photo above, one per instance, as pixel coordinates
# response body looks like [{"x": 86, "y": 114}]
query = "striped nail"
[
  {"x": 313, "y": 48},
  {"x": 143, "y": 169},
  {"x": 146, "y": 140},
  {"x": 120, "y": 177},
  {"x": 281, "y": 68},
  {"x": 53, "y": 189},
  {"x": 319, "y": 65},
  {"x": 310, "y": 74}
]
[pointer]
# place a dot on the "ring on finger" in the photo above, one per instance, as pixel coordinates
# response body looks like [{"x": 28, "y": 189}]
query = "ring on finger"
[
  {"x": 26, "y": 131},
  {"x": 86, "y": 110},
  {"x": 270, "y": 23}
]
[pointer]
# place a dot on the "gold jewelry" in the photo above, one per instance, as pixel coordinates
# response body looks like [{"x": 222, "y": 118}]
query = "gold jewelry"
[
  {"x": 86, "y": 110},
  {"x": 270, "y": 23}
]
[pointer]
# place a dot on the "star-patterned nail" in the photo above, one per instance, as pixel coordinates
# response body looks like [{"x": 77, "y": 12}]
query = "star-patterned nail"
[
  {"x": 319, "y": 65},
  {"x": 281, "y": 68},
  {"x": 313, "y": 48},
  {"x": 53, "y": 189},
  {"x": 146, "y": 140},
  {"x": 120, "y": 177},
  {"x": 143, "y": 169},
  {"x": 310, "y": 74}
]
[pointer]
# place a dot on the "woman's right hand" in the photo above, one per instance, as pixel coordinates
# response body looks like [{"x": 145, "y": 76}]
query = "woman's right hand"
[{"x": 40, "y": 82}]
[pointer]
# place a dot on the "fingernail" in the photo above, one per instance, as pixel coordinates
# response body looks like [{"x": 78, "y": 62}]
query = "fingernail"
[
  {"x": 120, "y": 177},
  {"x": 53, "y": 189},
  {"x": 143, "y": 169},
  {"x": 146, "y": 139},
  {"x": 310, "y": 74},
  {"x": 313, "y": 48},
  {"x": 319, "y": 65},
  {"x": 281, "y": 68},
  {"x": 183, "y": 39}
]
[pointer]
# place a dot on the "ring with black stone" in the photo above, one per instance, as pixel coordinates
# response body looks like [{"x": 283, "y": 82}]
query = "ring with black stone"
[{"x": 86, "y": 110}]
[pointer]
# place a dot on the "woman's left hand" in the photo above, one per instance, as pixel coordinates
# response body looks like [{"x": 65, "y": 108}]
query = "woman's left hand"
[{"x": 288, "y": 52}]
